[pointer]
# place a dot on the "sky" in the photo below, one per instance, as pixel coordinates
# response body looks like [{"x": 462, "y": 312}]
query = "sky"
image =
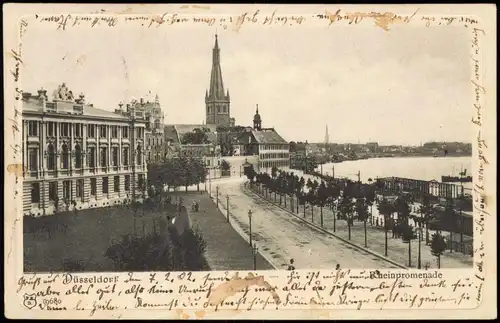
[{"x": 404, "y": 86}]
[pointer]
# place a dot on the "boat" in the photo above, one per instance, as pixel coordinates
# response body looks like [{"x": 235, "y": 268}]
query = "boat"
[
  {"x": 456, "y": 179},
  {"x": 462, "y": 178}
]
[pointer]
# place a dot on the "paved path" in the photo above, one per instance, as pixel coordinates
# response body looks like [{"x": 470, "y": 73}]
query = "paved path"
[
  {"x": 226, "y": 249},
  {"x": 397, "y": 249},
  {"x": 281, "y": 237}
]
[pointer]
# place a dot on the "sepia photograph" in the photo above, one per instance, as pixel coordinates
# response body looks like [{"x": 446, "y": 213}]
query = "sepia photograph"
[{"x": 253, "y": 143}]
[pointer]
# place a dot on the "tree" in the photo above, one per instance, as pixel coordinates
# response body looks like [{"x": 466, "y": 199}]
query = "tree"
[
  {"x": 225, "y": 167},
  {"x": 196, "y": 137},
  {"x": 249, "y": 172},
  {"x": 428, "y": 211},
  {"x": 226, "y": 143},
  {"x": 448, "y": 219},
  {"x": 362, "y": 212},
  {"x": 407, "y": 235},
  {"x": 346, "y": 210},
  {"x": 438, "y": 246},
  {"x": 385, "y": 209},
  {"x": 322, "y": 194}
]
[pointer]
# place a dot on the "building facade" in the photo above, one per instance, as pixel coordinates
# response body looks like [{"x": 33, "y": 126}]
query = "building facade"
[
  {"x": 76, "y": 156},
  {"x": 272, "y": 150},
  {"x": 217, "y": 101},
  {"x": 155, "y": 137}
]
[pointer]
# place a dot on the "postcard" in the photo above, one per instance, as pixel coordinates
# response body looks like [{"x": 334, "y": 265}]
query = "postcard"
[{"x": 170, "y": 161}]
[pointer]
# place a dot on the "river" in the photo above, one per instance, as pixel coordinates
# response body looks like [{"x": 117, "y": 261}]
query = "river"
[{"x": 422, "y": 168}]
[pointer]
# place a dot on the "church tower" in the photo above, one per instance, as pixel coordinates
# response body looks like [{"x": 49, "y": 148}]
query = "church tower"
[
  {"x": 216, "y": 100},
  {"x": 257, "y": 120}
]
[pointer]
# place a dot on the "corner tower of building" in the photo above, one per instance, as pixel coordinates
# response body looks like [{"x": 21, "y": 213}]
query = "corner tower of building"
[{"x": 217, "y": 100}]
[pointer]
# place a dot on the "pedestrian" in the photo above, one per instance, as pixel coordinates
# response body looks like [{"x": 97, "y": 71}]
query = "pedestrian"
[
  {"x": 337, "y": 267},
  {"x": 291, "y": 266},
  {"x": 376, "y": 222}
]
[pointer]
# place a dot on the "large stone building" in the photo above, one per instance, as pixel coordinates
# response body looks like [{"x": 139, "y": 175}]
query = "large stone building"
[
  {"x": 217, "y": 101},
  {"x": 78, "y": 156},
  {"x": 272, "y": 150}
]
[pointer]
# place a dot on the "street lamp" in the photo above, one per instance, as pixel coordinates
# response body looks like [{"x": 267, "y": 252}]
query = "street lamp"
[
  {"x": 217, "y": 195},
  {"x": 227, "y": 207},
  {"x": 250, "y": 222},
  {"x": 254, "y": 253}
]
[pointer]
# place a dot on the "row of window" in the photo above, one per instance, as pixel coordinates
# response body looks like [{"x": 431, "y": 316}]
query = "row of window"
[
  {"x": 66, "y": 129},
  {"x": 67, "y": 193},
  {"x": 277, "y": 163},
  {"x": 274, "y": 155},
  {"x": 65, "y": 154},
  {"x": 151, "y": 141},
  {"x": 223, "y": 109},
  {"x": 273, "y": 147}
]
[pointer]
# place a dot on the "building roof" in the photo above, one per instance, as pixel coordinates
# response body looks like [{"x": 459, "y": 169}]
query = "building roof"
[
  {"x": 33, "y": 104},
  {"x": 176, "y": 131},
  {"x": 268, "y": 136},
  {"x": 171, "y": 134}
]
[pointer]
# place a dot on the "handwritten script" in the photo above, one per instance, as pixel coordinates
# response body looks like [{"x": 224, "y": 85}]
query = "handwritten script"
[
  {"x": 236, "y": 22},
  {"x": 342, "y": 289}
]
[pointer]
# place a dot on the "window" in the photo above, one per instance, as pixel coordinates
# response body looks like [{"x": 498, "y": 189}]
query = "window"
[
  {"x": 114, "y": 132},
  {"x": 140, "y": 181},
  {"x": 35, "y": 193},
  {"x": 105, "y": 185},
  {"x": 224, "y": 109},
  {"x": 79, "y": 188},
  {"x": 115, "y": 156},
  {"x": 53, "y": 191},
  {"x": 91, "y": 131},
  {"x": 127, "y": 182},
  {"x": 51, "y": 129},
  {"x": 65, "y": 156},
  {"x": 124, "y": 132},
  {"x": 139, "y": 155},
  {"x": 116, "y": 184},
  {"x": 91, "y": 157},
  {"x": 32, "y": 128},
  {"x": 103, "y": 155},
  {"x": 78, "y": 156},
  {"x": 66, "y": 190},
  {"x": 65, "y": 129},
  {"x": 33, "y": 159},
  {"x": 78, "y": 130},
  {"x": 125, "y": 156},
  {"x": 51, "y": 157},
  {"x": 140, "y": 133},
  {"x": 102, "y": 132},
  {"x": 218, "y": 109},
  {"x": 93, "y": 186}
]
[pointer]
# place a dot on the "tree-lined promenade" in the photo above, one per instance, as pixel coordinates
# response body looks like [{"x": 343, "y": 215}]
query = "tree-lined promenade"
[{"x": 338, "y": 204}]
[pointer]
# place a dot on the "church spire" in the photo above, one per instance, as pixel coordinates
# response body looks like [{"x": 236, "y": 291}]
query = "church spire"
[{"x": 216, "y": 90}]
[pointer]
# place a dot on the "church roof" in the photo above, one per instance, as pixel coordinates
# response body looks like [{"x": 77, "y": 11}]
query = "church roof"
[{"x": 216, "y": 90}]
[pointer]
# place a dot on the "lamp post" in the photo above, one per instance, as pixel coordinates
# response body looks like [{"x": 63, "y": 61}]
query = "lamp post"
[
  {"x": 217, "y": 195},
  {"x": 227, "y": 207},
  {"x": 250, "y": 223},
  {"x": 419, "y": 241},
  {"x": 254, "y": 253}
]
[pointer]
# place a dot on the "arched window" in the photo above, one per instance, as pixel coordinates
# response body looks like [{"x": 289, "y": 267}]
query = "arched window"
[
  {"x": 78, "y": 156},
  {"x": 139, "y": 155},
  {"x": 65, "y": 156},
  {"x": 51, "y": 157}
]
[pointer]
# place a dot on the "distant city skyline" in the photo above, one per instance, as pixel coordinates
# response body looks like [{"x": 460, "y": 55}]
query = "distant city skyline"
[{"x": 359, "y": 81}]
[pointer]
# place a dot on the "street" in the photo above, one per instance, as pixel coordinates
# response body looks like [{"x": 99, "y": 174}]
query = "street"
[{"x": 281, "y": 237}]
